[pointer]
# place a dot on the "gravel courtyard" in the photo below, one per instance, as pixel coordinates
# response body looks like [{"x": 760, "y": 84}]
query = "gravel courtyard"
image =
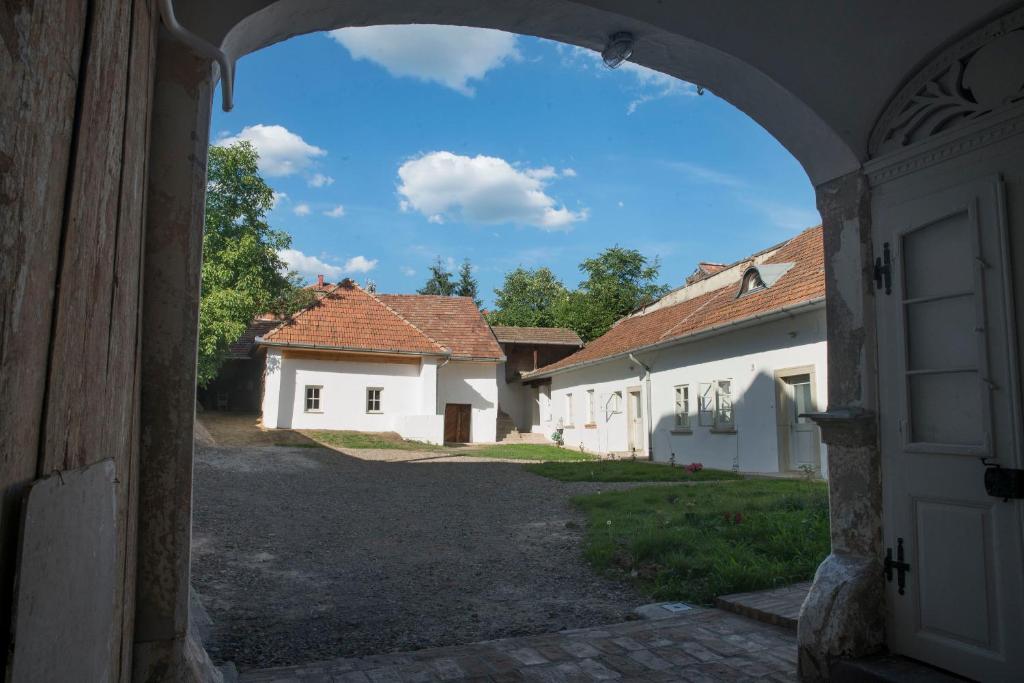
[{"x": 307, "y": 554}]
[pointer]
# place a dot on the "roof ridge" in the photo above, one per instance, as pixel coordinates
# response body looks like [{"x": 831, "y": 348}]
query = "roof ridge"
[{"x": 401, "y": 317}]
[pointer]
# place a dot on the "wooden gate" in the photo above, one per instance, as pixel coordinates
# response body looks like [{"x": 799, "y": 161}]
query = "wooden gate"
[{"x": 456, "y": 422}]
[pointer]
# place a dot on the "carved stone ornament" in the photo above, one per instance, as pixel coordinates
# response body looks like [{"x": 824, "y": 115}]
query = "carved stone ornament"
[{"x": 970, "y": 79}]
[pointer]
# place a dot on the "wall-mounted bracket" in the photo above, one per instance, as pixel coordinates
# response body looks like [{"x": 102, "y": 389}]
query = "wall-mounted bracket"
[{"x": 227, "y": 67}]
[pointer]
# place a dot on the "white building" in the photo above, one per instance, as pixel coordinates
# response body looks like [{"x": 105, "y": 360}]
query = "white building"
[
  {"x": 426, "y": 367},
  {"x": 716, "y": 372}
]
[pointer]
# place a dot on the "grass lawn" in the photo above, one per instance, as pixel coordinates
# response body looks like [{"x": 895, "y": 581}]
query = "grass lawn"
[
  {"x": 694, "y": 543},
  {"x": 347, "y": 439},
  {"x": 526, "y": 451},
  {"x": 624, "y": 470}
]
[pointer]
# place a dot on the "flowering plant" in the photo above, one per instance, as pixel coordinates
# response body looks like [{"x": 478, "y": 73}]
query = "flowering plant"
[{"x": 694, "y": 467}]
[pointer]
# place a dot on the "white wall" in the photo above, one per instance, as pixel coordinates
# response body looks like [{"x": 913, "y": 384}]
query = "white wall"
[
  {"x": 474, "y": 383},
  {"x": 749, "y": 357},
  {"x": 512, "y": 398},
  {"x": 408, "y": 391}
]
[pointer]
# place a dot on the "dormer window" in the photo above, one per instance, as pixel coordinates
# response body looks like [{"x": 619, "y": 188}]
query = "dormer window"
[{"x": 751, "y": 282}]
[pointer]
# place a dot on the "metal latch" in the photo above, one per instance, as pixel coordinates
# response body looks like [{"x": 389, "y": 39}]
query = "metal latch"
[
  {"x": 883, "y": 270},
  {"x": 1004, "y": 482},
  {"x": 902, "y": 568}
]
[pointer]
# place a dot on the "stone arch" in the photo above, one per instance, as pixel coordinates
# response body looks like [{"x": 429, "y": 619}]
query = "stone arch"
[{"x": 823, "y": 153}]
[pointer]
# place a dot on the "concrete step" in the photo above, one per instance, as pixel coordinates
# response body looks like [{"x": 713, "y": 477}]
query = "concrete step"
[
  {"x": 522, "y": 437},
  {"x": 780, "y": 606}
]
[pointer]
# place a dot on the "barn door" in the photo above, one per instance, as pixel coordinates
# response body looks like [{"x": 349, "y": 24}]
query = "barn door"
[
  {"x": 949, "y": 411},
  {"x": 457, "y": 422}
]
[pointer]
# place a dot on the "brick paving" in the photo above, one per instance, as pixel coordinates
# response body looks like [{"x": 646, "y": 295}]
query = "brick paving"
[
  {"x": 700, "y": 645},
  {"x": 780, "y": 606}
]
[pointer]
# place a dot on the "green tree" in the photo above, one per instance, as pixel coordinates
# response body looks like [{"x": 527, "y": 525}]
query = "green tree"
[
  {"x": 243, "y": 274},
  {"x": 439, "y": 282},
  {"x": 619, "y": 281},
  {"x": 529, "y": 298},
  {"x": 467, "y": 284}
]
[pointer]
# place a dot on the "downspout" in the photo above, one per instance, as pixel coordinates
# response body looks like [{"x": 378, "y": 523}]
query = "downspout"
[
  {"x": 437, "y": 385},
  {"x": 647, "y": 390}
]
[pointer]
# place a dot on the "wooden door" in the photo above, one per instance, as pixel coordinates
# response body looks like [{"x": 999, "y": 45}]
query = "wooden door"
[
  {"x": 802, "y": 444},
  {"x": 948, "y": 409},
  {"x": 457, "y": 422},
  {"x": 635, "y": 413}
]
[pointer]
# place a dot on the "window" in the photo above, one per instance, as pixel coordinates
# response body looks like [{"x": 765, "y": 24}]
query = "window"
[
  {"x": 373, "y": 399},
  {"x": 568, "y": 409},
  {"x": 313, "y": 398},
  {"x": 724, "y": 418},
  {"x": 591, "y": 408},
  {"x": 751, "y": 282},
  {"x": 706, "y": 405},
  {"x": 683, "y": 407}
]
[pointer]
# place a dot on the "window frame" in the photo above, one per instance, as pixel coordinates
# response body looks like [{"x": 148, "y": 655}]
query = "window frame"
[
  {"x": 721, "y": 399},
  {"x": 591, "y": 408},
  {"x": 681, "y": 406},
  {"x": 379, "y": 400},
  {"x": 706, "y": 404},
  {"x": 568, "y": 410},
  {"x": 306, "y": 398}
]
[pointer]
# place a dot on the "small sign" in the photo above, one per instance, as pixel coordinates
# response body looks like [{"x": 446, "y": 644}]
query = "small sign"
[{"x": 676, "y": 606}]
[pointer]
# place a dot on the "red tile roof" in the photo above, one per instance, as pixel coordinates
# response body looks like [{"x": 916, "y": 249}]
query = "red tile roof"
[
  {"x": 803, "y": 283},
  {"x": 347, "y": 317},
  {"x": 454, "y": 321},
  {"x": 242, "y": 348},
  {"x": 536, "y": 335}
]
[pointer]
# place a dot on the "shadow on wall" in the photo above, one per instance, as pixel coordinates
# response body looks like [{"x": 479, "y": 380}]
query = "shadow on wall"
[{"x": 752, "y": 445}]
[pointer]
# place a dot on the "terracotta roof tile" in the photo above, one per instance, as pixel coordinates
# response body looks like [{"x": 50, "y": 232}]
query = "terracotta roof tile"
[
  {"x": 802, "y": 283},
  {"x": 536, "y": 335},
  {"x": 454, "y": 321},
  {"x": 242, "y": 348},
  {"x": 348, "y": 317}
]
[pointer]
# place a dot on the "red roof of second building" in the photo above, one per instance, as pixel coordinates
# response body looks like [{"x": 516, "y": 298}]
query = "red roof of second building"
[
  {"x": 804, "y": 282},
  {"x": 347, "y": 317},
  {"x": 454, "y": 321}
]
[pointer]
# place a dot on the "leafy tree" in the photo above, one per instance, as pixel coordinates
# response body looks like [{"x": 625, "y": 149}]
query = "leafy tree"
[
  {"x": 243, "y": 275},
  {"x": 467, "y": 284},
  {"x": 529, "y": 298},
  {"x": 439, "y": 282},
  {"x": 619, "y": 281}
]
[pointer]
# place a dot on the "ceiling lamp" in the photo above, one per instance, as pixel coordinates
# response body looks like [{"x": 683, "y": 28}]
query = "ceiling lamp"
[{"x": 618, "y": 49}]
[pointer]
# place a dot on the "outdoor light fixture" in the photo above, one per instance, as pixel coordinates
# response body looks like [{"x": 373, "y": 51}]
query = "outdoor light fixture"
[{"x": 618, "y": 49}]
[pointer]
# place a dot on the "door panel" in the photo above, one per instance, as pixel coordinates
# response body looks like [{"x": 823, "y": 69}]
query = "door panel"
[
  {"x": 457, "y": 422},
  {"x": 947, "y": 406}
]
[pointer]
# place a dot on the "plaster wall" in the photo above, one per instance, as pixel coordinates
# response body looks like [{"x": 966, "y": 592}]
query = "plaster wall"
[
  {"x": 474, "y": 383},
  {"x": 513, "y": 398},
  {"x": 343, "y": 394},
  {"x": 749, "y": 357}
]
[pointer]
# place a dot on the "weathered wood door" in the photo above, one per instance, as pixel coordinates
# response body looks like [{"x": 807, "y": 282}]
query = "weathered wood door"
[
  {"x": 457, "y": 422},
  {"x": 948, "y": 411}
]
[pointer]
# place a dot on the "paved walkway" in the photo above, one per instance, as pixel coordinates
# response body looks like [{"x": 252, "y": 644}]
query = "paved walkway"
[{"x": 698, "y": 645}]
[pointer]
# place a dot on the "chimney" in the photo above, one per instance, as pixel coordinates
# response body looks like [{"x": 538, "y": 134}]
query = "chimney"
[{"x": 319, "y": 280}]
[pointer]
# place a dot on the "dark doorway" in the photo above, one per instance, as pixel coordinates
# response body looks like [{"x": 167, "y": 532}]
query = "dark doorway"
[{"x": 456, "y": 422}]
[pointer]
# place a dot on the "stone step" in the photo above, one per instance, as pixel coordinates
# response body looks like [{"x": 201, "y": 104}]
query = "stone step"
[
  {"x": 888, "y": 669},
  {"x": 779, "y": 606}
]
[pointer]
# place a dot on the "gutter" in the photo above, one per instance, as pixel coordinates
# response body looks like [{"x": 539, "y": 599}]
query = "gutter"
[
  {"x": 649, "y": 420},
  {"x": 353, "y": 349},
  {"x": 714, "y": 330}
]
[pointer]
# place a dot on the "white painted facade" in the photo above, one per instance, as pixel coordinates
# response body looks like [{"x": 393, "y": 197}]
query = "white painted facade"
[
  {"x": 412, "y": 395},
  {"x": 752, "y": 359}
]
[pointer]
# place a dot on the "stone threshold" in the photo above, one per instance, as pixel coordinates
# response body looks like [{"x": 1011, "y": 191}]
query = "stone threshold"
[{"x": 779, "y": 606}]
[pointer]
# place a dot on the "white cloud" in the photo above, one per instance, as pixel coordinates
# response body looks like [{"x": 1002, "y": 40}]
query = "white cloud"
[
  {"x": 705, "y": 174},
  {"x": 568, "y": 172},
  {"x": 449, "y": 55},
  {"x": 281, "y": 151},
  {"x": 336, "y": 212},
  {"x": 621, "y": 204},
  {"x": 481, "y": 189},
  {"x": 308, "y": 267},
  {"x": 320, "y": 180},
  {"x": 278, "y": 198},
  {"x": 649, "y": 84},
  {"x": 301, "y": 209},
  {"x": 407, "y": 271},
  {"x": 360, "y": 264},
  {"x": 784, "y": 215}
]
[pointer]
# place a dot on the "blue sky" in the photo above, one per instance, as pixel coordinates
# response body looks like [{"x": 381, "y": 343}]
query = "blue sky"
[{"x": 390, "y": 146}]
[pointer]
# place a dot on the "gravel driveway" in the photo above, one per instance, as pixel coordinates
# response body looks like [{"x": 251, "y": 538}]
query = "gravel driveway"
[{"x": 306, "y": 554}]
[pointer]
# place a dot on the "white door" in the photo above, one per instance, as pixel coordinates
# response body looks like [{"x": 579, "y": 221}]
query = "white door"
[
  {"x": 802, "y": 433},
  {"x": 949, "y": 404},
  {"x": 635, "y": 413}
]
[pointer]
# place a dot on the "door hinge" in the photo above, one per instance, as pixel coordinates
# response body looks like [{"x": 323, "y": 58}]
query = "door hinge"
[
  {"x": 883, "y": 269},
  {"x": 902, "y": 568}
]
